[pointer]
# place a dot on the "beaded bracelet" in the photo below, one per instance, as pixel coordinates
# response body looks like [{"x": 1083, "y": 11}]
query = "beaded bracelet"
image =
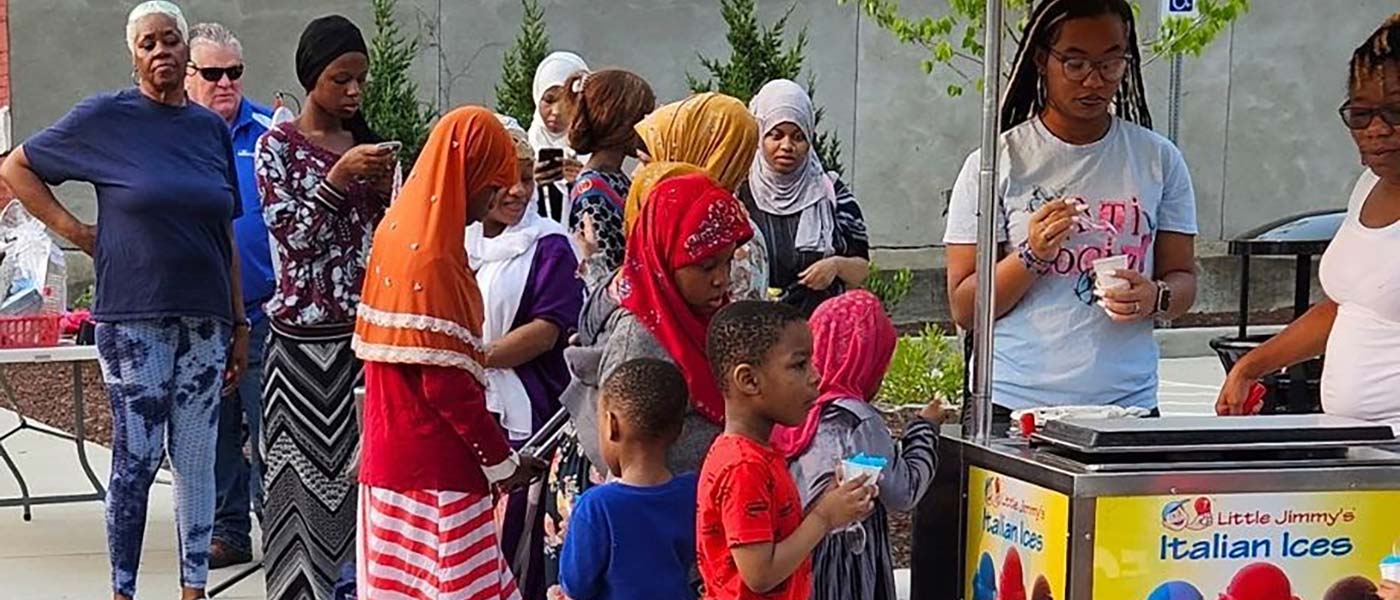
[{"x": 1032, "y": 262}]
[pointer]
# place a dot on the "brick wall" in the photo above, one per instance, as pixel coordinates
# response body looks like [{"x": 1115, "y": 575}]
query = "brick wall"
[
  {"x": 5, "y": 86},
  {"x": 4, "y": 52}
]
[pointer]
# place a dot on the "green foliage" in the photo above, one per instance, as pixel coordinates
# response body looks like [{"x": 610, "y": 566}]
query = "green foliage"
[
  {"x": 954, "y": 40},
  {"x": 759, "y": 54},
  {"x": 515, "y": 92},
  {"x": 391, "y": 102},
  {"x": 924, "y": 367},
  {"x": 890, "y": 288},
  {"x": 85, "y": 300}
]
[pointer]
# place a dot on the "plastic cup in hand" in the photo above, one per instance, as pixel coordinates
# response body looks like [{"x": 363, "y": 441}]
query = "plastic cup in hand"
[
  {"x": 852, "y": 468},
  {"x": 1104, "y": 269},
  {"x": 1390, "y": 568},
  {"x": 861, "y": 464}
]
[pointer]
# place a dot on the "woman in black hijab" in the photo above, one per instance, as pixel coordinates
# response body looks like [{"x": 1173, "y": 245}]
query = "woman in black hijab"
[{"x": 325, "y": 184}]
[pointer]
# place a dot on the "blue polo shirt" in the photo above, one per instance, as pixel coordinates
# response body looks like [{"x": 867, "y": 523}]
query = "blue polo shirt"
[{"x": 250, "y": 230}]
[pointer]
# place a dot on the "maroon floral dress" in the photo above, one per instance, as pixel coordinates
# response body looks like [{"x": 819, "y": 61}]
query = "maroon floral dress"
[
  {"x": 320, "y": 239},
  {"x": 320, "y": 235}
]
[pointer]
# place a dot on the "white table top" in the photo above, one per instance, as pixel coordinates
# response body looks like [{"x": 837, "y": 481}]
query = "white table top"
[{"x": 61, "y": 353}]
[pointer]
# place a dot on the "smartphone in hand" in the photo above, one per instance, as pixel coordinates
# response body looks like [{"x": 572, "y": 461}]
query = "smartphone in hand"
[
  {"x": 551, "y": 157},
  {"x": 391, "y": 146}
]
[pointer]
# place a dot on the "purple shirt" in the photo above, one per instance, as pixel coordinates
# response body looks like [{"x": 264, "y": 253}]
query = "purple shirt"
[
  {"x": 320, "y": 241},
  {"x": 553, "y": 293}
]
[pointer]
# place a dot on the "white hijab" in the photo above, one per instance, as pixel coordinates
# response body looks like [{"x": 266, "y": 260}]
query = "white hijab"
[
  {"x": 502, "y": 266},
  {"x": 806, "y": 190},
  {"x": 554, "y": 70}
]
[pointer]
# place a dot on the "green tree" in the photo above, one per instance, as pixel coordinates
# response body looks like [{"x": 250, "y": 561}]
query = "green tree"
[
  {"x": 759, "y": 54},
  {"x": 954, "y": 40},
  {"x": 515, "y": 92},
  {"x": 391, "y": 102}
]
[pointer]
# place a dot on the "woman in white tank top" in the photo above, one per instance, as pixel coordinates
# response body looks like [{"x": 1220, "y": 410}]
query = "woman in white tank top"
[{"x": 1358, "y": 324}]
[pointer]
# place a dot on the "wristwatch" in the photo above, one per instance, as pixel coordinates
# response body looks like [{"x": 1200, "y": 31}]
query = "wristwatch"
[{"x": 1164, "y": 298}]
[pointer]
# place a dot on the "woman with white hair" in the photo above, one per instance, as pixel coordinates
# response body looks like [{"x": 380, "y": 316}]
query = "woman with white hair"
[{"x": 166, "y": 186}]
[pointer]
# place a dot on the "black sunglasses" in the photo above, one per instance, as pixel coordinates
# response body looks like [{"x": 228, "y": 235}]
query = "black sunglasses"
[
  {"x": 214, "y": 74},
  {"x": 1358, "y": 118}
]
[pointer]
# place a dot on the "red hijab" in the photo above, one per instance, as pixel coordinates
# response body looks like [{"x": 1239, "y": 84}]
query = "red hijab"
[
  {"x": 686, "y": 220},
  {"x": 852, "y": 344}
]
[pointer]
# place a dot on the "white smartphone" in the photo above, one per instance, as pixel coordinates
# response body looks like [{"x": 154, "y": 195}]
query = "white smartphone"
[{"x": 392, "y": 146}]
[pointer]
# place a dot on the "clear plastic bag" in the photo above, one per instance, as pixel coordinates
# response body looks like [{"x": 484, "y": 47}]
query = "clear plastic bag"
[{"x": 33, "y": 271}]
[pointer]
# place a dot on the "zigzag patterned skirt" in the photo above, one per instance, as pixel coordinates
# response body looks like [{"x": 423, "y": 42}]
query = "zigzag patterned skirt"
[{"x": 310, "y": 433}]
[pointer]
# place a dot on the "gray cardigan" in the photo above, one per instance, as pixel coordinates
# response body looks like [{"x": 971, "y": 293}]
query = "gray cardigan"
[{"x": 609, "y": 336}]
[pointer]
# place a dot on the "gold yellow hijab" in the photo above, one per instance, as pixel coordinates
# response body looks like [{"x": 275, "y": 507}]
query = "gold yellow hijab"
[{"x": 708, "y": 132}]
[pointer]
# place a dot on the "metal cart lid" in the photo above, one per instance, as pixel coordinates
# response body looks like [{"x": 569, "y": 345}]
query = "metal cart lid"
[
  {"x": 1305, "y": 234},
  {"x": 1186, "y": 434}
]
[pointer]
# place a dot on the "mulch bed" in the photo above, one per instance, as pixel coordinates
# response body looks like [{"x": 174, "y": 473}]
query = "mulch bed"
[
  {"x": 901, "y": 529},
  {"x": 44, "y": 394}
]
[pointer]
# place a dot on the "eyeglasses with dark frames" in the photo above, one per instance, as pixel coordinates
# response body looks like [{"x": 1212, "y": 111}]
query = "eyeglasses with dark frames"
[{"x": 1359, "y": 117}]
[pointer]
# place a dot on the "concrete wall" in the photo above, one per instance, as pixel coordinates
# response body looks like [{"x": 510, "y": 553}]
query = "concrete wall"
[{"x": 1259, "y": 128}]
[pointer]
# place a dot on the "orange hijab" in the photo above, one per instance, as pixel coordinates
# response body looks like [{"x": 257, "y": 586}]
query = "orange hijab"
[{"x": 420, "y": 303}]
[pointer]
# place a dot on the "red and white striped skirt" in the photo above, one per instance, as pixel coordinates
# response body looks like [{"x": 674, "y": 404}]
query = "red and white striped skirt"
[{"x": 429, "y": 545}]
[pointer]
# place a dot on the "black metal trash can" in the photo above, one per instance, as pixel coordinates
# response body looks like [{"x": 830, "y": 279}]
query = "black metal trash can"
[
  {"x": 1281, "y": 395},
  {"x": 1302, "y": 237}
]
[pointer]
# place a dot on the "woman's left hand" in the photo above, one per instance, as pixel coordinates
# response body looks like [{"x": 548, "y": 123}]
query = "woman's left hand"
[
  {"x": 821, "y": 274},
  {"x": 237, "y": 359},
  {"x": 1129, "y": 303}
]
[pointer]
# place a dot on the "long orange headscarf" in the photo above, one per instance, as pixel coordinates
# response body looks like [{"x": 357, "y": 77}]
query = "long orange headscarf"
[
  {"x": 420, "y": 303},
  {"x": 711, "y": 131}
]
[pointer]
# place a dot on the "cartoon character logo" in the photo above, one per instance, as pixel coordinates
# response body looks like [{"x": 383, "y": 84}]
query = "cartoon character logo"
[
  {"x": 1193, "y": 514},
  {"x": 991, "y": 491},
  {"x": 1175, "y": 516}
]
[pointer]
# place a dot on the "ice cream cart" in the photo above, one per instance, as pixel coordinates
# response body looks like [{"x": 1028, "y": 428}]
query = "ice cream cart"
[
  {"x": 1278, "y": 507},
  {"x": 1292, "y": 506}
]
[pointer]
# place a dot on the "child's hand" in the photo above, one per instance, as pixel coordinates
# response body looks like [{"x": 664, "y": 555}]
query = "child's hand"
[
  {"x": 846, "y": 504},
  {"x": 933, "y": 412},
  {"x": 1389, "y": 590}
]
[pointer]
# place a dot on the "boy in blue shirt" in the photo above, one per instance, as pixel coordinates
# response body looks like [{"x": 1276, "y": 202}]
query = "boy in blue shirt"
[{"x": 634, "y": 538}]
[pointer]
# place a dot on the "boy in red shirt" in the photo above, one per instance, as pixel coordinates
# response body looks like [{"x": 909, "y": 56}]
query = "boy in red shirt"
[{"x": 754, "y": 541}]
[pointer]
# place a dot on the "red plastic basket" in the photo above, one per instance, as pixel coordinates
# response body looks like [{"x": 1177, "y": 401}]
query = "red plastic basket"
[{"x": 35, "y": 331}]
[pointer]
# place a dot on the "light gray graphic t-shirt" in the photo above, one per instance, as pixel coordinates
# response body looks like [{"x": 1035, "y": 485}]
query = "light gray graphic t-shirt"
[{"x": 1057, "y": 347}]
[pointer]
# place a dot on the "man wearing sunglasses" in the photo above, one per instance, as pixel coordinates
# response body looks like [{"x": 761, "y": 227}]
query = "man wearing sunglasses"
[{"x": 214, "y": 80}]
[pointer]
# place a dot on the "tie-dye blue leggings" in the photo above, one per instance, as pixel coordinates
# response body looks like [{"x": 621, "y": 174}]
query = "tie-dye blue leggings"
[{"x": 163, "y": 379}]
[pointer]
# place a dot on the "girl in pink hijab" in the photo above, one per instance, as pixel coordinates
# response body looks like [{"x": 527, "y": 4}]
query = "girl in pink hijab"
[{"x": 853, "y": 341}]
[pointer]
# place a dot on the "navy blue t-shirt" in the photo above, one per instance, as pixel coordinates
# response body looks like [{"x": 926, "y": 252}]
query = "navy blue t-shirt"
[
  {"x": 626, "y": 542},
  {"x": 167, "y": 190}
]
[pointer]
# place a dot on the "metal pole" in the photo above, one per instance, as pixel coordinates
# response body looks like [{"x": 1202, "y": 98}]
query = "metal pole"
[
  {"x": 1174, "y": 93},
  {"x": 986, "y": 227}
]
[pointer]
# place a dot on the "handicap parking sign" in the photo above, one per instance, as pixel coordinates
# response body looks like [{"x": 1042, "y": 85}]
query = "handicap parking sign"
[{"x": 1179, "y": 8}]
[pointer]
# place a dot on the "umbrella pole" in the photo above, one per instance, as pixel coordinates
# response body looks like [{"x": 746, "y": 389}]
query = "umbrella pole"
[{"x": 986, "y": 227}]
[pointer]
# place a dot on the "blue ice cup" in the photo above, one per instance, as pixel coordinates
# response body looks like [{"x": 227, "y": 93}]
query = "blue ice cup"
[
  {"x": 862, "y": 464},
  {"x": 1390, "y": 568}
]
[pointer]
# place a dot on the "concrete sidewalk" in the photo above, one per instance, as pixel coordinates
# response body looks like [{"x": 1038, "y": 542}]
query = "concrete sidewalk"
[{"x": 62, "y": 553}]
